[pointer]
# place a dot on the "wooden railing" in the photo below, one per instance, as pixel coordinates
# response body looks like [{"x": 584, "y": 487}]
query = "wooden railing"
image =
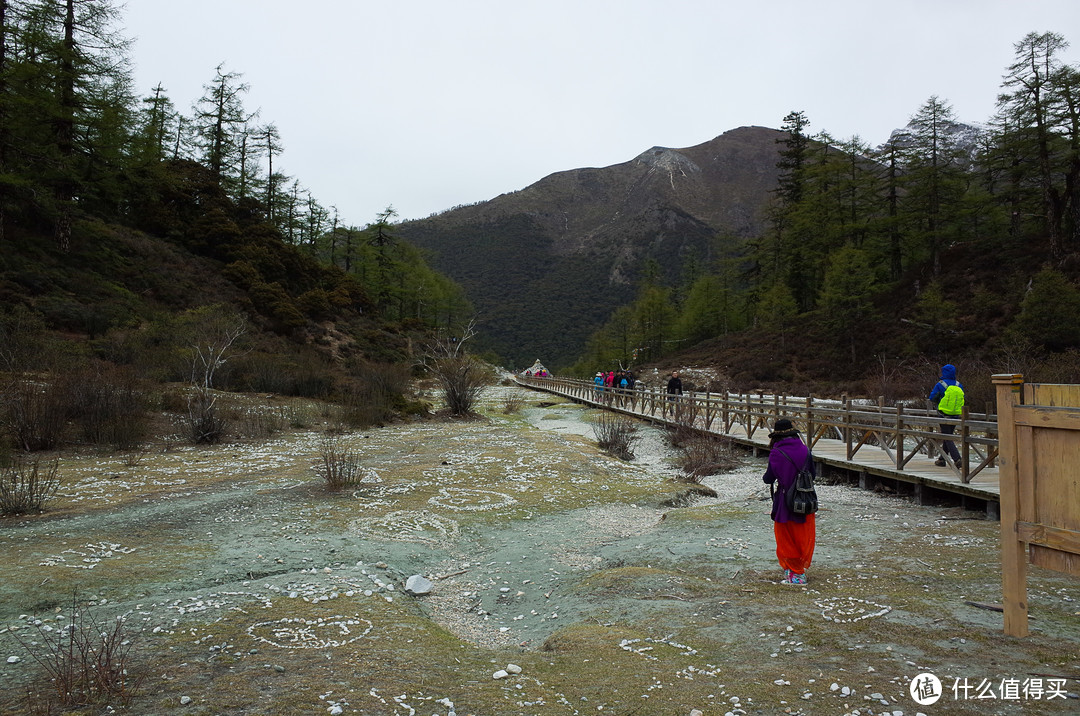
[
  {"x": 1040, "y": 495},
  {"x": 901, "y": 432}
]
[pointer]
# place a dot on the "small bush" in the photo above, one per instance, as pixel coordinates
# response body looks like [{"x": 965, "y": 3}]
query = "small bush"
[
  {"x": 513, "y": 403},
  {"x": 307, "y": 375},
  {"x": 34, "y": 414},
  {"x": 374, "y": 393},
  {"x": 462, "y": 380},
  {"x": 25, "y": 489},
  {"x": 109, "y": 405},
  {"x": 339, "y": 463},
  {"x": 704, "y": 455},
  {"x": 23, "y": 339},
  {"x": 88, "y": 662},
  {"x": 616, "y": 434},
  {"x": 206, "y": 426}
]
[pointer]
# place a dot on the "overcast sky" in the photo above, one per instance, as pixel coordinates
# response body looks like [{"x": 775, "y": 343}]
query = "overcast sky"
[{"x": 427, "y": 104}]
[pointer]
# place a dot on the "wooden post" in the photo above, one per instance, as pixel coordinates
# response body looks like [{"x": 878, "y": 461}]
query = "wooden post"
[
  {"x": 900, "y": 436},
  {"x": 965, "y": 449},
  {"x": 810, "y": 421},
  {"x": 847, "y": 424},
  {"x": 1013, "y": 551}
]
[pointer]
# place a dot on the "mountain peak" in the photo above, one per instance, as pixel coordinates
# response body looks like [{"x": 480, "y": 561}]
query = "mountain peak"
[{"x": 667, "y": 159}]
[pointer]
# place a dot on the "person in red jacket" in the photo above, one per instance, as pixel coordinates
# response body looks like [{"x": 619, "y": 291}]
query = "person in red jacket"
[{"x": 795, "y": 534}]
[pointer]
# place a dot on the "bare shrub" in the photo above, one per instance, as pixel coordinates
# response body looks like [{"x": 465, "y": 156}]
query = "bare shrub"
[
  {"x": 260, "y": 422},
  {"x": 135, "y": 457},
  {"x": 173, "y": 400},
  {"x": 23, "y": 339},
  {"x": 108, "y": 404},
  {"x": 705, "y": 455},
  {"x": 679, "y": 435},
  {"x": 462, "y": 380},
  {"x": 373, "y": 394},
  {"x": 513, "y": 402},
  {"x": 25, "y": 488},
  {"x": 34, "y": 414},
  {"x": 301, "y": 375},
  {"x": 616, "y": 434},
  {"x": 205, "y": 424},
  {"x": 339, "y": 463},
  {"x": 88, "y": 662},
  {"x": 300, "y": 417}
]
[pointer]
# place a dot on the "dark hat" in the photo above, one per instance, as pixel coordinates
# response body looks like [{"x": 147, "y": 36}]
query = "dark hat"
[{"x": 782, "y": 428}]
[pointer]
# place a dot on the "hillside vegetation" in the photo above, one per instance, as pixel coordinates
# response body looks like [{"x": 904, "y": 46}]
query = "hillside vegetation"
[{"x": 141, "y": 247}]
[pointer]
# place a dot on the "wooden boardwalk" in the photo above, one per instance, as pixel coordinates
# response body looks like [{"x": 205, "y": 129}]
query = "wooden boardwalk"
[{"x": 870, "y": 441}]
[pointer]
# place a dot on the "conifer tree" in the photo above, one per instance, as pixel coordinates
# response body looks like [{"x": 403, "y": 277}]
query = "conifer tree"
[
  {"x": 1028, "y": 101},
  {"x": 934, "y": 179},
  {"x": 219, "y": 117},
  {"x": 66, "y": 105}
]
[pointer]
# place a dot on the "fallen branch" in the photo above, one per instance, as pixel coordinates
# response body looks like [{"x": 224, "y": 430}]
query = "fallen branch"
[
  {"x": 989, "y": 607},
  {"x": 452, "y": 574}
]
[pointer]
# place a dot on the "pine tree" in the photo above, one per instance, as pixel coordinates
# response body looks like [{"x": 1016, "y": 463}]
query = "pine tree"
[
  {"x": 219, "y": 117},
  {"x": 1027, "y": 101},
  {"x": 935, "y": 177}
]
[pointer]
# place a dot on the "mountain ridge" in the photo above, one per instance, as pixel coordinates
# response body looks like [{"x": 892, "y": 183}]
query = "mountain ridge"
[{"x": 664, "y": 204}]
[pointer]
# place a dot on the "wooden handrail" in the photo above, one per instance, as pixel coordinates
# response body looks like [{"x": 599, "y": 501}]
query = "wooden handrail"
[{"x": 857, "y": 426}]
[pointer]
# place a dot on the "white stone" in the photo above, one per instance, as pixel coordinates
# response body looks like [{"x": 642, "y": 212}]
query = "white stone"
[
  {"x": 696, "y": 712},
  {"x": 513, "y": 669},
  {"x": 335, "y": 710},
  {"x": 834, "y": 686},
  {"x": 185, "y": 700},
  {"x": 13, "y": 660},
  {"x": 500, "y": 674},
  {"x": 417, "y": 585}
]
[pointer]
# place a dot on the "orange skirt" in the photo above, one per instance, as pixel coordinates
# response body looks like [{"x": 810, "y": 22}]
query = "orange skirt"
[{"x": 795, "y": 544}]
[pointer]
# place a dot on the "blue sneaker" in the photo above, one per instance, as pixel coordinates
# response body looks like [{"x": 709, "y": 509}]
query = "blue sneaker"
[{"x": 799, "y": 579}]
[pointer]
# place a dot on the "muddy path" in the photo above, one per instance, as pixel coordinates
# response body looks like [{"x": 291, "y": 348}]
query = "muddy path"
[{"x": 247, "y": 588}]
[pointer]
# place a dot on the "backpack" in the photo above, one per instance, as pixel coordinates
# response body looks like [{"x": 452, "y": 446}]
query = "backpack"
[
  {"x": 801, "y": 497},
  {"x": 952, "y": 401}
]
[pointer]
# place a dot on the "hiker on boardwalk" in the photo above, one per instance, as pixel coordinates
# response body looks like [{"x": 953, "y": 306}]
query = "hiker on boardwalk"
[
  {"x": 948, "y": 398},
  {"x": 674, "y": 385},
  {"x": 795, "y": 534}
]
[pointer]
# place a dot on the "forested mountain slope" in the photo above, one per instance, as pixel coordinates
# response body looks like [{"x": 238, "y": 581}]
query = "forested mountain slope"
[{"x": 547, "y": 265}]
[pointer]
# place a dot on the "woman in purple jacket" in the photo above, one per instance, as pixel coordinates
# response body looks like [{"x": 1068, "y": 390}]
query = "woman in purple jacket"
[{"x": 795, "y": 534}]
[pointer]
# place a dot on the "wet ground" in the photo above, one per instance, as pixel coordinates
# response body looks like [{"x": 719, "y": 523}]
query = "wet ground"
[{"x": 248, "y": 588}]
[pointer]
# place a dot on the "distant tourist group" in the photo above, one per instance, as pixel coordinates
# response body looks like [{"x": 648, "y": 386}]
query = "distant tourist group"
[{"x": 622, "y": 379}]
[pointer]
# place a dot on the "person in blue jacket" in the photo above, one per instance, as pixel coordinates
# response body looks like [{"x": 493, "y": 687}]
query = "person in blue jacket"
[{"x": 948, "y": 378}]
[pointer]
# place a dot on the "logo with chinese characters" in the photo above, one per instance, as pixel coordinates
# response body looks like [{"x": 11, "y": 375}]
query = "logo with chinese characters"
[{"x": 925, "y": 689}]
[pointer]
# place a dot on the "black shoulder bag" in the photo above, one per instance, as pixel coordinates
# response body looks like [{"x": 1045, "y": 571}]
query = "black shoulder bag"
[{"x": 801, "y": 497}]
